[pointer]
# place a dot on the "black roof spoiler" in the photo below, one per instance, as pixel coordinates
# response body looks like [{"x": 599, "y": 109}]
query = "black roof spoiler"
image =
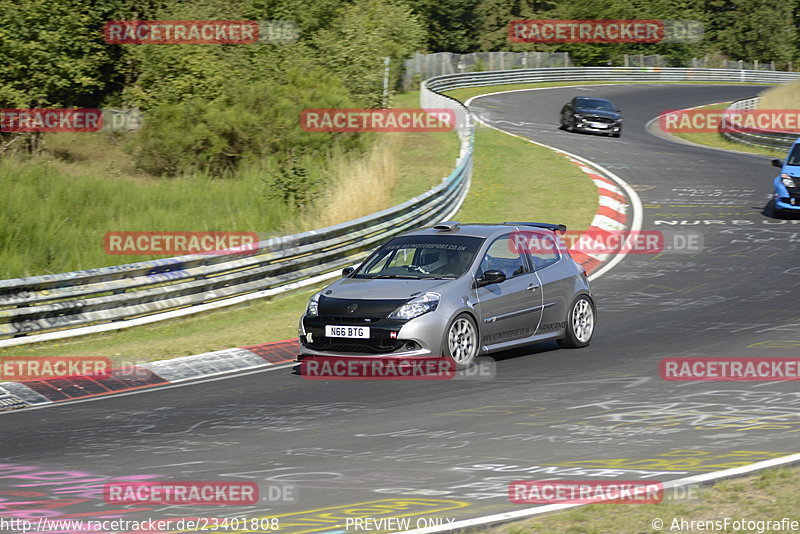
[
  {"x": 558, "y": 228},
  {"x": 447, "y": 226}
]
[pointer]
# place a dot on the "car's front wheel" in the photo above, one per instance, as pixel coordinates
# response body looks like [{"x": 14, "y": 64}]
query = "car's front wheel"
[
  {"x": 461, "y": 342},
  {"x": 571, "y": 125},
  {"x": 580, "y": 324}
]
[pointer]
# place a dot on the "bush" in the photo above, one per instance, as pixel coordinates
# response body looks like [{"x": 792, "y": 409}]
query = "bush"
[{"x": 249, "y": 124}]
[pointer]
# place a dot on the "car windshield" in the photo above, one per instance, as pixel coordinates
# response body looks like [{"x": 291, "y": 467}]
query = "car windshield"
[
  {"x": 794, "y": 156},
  {"x": 594, "y": 103},
  {"x": 425, "y": 256}
]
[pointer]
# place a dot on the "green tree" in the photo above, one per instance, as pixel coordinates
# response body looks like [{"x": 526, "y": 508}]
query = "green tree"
[
  {"x": 51, "y": 55},
  {"x": 452, "y": 25},
  {"x": 357, "y": 43},
  {"x": 763, "y": 30},
  {"x": 251, "y": 123},
  {"x": 611, "y": 53},
  {"x": 496, "y": 14}
]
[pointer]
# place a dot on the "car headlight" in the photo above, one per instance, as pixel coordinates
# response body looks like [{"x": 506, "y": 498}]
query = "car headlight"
[
  {"x": 787, "y": 180},
  {"x": 416, "y": 307},
  {"x": 577, "y": 116},
  {"x": 312, "y": 309}
]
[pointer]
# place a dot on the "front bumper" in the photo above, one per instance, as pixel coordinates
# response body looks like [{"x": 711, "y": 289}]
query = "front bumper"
[
  {"x": 591, "y": 126},
  {"x": 585, "y": 128},
  {"x": 782, "y": 204},
  {"x": 421, "y": 336},
  {"x": 786, "y": 198}
]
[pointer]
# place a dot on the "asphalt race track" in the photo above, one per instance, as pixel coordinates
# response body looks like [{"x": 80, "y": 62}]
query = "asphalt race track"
[{"x": 448, "y": 449}]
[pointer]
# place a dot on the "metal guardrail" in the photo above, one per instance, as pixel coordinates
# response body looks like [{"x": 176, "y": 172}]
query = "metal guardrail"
[
  {"x": 109, "y": 298},
  {"x": 611, "y": 74},
  {"x": 772, "y": 139}
]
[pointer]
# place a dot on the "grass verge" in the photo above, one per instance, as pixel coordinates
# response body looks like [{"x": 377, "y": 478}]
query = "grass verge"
[
  {"x": 784, "y": 96},
  {"x": 84, "y": 185},
  {"x": 769, "y": 495},
  {"x": 426, "y": 158},
  {"x": 514, "y": 180}
]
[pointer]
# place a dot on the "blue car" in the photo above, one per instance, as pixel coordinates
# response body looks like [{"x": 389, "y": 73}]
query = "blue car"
[{"x": 786, "y": 191}]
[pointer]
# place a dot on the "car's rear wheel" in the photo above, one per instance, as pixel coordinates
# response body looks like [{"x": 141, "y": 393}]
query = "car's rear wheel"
[
  {"x": 461, "y": 343},
  {"x": 580, "y": 324}
]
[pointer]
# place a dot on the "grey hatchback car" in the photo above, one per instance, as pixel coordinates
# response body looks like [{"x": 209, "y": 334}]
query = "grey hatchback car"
[{"x": 455, "y": 291}]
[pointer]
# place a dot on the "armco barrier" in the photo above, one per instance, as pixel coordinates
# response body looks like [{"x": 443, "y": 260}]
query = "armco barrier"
[
  {"x": 47, "y": 307},
  {"x": 63, "y": 305},
  {"x": 610, "y": 74},
  {"x": 773, "y": 139}
]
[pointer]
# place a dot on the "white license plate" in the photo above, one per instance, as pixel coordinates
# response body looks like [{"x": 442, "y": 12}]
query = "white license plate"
[
  {"x": 598, "y": 125},
  {"x": 360, "y": 332}
]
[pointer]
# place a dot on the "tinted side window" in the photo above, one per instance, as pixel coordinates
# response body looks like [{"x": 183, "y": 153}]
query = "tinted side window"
[
  {"x": 794, "y": 157},
  {"x": 545, "y": 254},
  {"x": 503, "y": 256}
]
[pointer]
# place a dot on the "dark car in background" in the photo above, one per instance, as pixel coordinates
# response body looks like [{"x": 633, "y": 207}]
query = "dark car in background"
[{"x": 591, "y": 114}]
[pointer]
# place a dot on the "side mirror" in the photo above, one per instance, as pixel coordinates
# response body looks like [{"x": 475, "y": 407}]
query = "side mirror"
[
  {"x": 347, "y": 271},
  {"x": 777, "y": 163},
  {"x": 492, "y": 276},
  {"x": 618, "y": 110}
]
